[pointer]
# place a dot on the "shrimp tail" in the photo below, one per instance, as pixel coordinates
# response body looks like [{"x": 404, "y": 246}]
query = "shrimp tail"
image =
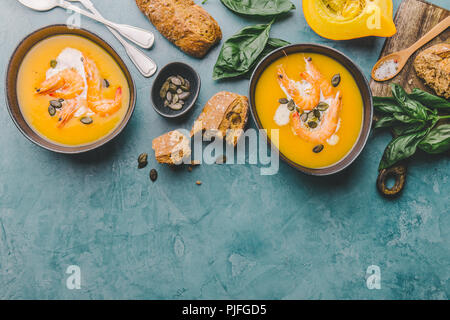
[{"x": 108, "y": 107}]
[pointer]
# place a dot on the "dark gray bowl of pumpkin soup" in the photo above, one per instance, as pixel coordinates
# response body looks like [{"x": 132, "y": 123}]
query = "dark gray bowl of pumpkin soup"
[{"x": 315, "y": 104}]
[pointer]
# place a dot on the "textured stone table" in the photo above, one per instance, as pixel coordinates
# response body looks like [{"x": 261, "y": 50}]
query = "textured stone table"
[{"x": 239, "y": 234}]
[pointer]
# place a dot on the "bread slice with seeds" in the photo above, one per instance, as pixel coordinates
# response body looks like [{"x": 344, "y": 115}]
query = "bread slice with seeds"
[
  {"x": 186, "y": 24},
  {"x": 171, "y": 148},
  {"x": 433, "y": 66},
  {"x": 224, "y": 115}
]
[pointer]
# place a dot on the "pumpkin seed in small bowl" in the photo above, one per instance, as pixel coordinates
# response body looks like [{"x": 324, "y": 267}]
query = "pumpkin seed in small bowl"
[{"x": 175, "y": 90}]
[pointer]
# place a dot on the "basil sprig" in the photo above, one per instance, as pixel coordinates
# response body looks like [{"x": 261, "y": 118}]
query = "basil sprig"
[
  {"x": 259, "y": 7},
  {"x": 242, "y": 51},
  {"x": 414, "y": 120}
]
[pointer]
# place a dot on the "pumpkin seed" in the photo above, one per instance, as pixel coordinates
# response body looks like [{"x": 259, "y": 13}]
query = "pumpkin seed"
[
  {"x": 172, "y": 88},
  {"x": 184, "y": 95},
  {"x": 166, "y": 103},
  {"x": 153, "y": 175},
  {"x": 181, "y": 102},
  {"x": 322, "y": 106},
  {"x": 56, "y": 104},
  {"x": 142, "y": 160},
  {"x": 316, "y": 113},
  {"x": 53, "y": 63},
  {"x": 51, "y": 111},
  {"x": 318, "y": 148},
  {"x": 304, "y": 117},
  {"x": 86, "y": 120},
  {"x": 283, "y": 101},
  {"x": 164, "y": 89},
  {"x": 312, "y": 124},
  {"x": 181, "y": 79},
  {"x": 169, "y": 96},
  {"x": 336, "y": 80},
  {"x": 176, "y": 81},
  {"x": 105, "y": 83},
  {"x": 176, "y": 106},
  {"x": 291, "y": 105},
  {"x": 175, "y": 98},
  {"x": 186, "y": 86},
  {"x": 179, "y": 91},
  {"x": 235, "y": 119},
  {"x": 311, "y": 116}
]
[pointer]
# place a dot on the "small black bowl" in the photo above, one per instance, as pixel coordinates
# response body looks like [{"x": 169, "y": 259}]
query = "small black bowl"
[
  {"x": 363, "y": 87},
  {"x": 174, "y": 69}
]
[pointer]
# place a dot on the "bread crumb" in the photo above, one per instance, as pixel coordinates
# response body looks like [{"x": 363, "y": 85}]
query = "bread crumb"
[{"x": 221, "y": 159}]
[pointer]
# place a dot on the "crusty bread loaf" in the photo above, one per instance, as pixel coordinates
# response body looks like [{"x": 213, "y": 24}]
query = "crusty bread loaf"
[
  {"x": 171, "y": 148},
  {"x": 224, "y": 115},
  {"x": 184, "y": 23},
  {"x": 433, "y": 66}
]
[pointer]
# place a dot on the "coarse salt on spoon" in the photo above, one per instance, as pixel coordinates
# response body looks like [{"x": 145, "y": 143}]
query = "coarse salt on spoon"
[{"x": 389, "y": 66}]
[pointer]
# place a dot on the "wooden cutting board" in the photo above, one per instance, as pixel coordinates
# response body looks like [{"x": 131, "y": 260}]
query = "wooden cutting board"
[{"x": 413, "y": 19}]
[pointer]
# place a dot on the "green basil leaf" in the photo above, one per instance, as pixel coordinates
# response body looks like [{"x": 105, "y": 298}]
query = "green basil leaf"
[
  {"x": 385, "y": 121},
  {"x": 275, "y": 43},
  {"x": 438, "y": 140},
  {"x": 386, "y": 105},
  {"x": 408, "y": 128},
  {"x": 401, "y": 148},
  {"x": 406, "y": 118},
  {"x": 259, "y": 7},
  {"x": 412, "y": 107},
  {"x": 430, "y": 100},
  {"x": 272, "y": 44},
  {"x": 239, "y": 53},
  {"x": 418, "y": 108}
]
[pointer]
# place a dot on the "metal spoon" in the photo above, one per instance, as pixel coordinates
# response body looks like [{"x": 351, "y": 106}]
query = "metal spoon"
[
  {"x": 401, "y": 57},
  {"x": 139, "y": 36},
  {"x": 143, "y": 63}
]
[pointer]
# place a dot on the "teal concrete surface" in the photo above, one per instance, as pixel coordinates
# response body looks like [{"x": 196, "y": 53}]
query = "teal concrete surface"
[{"x": 239, "y": 234}]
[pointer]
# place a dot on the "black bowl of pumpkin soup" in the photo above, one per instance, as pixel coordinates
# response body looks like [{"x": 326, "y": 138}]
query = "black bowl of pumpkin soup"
[
  {"x": 67, "y": 90},
  {"x": 315, "y": 104}
]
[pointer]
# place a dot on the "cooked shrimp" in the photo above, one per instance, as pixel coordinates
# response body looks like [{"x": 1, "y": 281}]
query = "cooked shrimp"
[
  {"x": 324, "y": 84},
  {"x": 92, "y": 79},
  {"x": 95, "y": 101},
  {"x": 66, "y": 84},
  {"x": 106, "y": 107},
  {"x": 304, "y": 99},
  {"x": 326, "y": 128},
  {"x": 68, "y": 110}
]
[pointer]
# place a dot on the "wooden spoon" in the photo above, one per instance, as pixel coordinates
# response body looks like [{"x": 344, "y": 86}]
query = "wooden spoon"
[{"x": 401, "y": 57}]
